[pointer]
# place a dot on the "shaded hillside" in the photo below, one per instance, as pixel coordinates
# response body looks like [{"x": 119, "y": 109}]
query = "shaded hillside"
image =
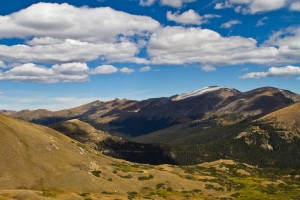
[
  {"x": 256, "y": 143},
  {"x": 252, "y": 104},
  {"x": 270, "y": 141},
  {"x": 82, "y": 132},
  {"x": 114, "y": 146}
]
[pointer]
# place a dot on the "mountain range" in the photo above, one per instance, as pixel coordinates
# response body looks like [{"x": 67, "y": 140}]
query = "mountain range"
[
  {"x": 129, "y": 118},
  {"x": 210, "y": 123}
]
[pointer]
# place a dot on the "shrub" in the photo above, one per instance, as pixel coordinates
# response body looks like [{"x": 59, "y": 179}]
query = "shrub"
[
  {"x": 144, "y": 178},
  {"x": 96, "y": 173}
]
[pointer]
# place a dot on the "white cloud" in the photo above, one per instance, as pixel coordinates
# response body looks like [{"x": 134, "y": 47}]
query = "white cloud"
[
  {"x": 71, "y": 51},
  {"x": 189, "y": 17},
  {"x": 224, "y": 5},
  {"x": 261, "y": 21},
  {"x": 71, "y": 68},
  {"x": 288, "y": 43},
  {"x": 145, "y": 69},
  {"x": 231, "y": 4},
  {"x": 208, "y": 68},
  {"x": 171, "y": 3},
  {"x": 126, "y": 70},
  {"x": 295, "y": 6},
  {"x": 67, "y": 72},
  {"x": 274, "y": 72},
  {"x": 230, "y": 23},
  {"x": 147, "y": 2},
  {"x": 62, "y": 21},
  {"x": 43, "y": 41},
  {"x": 175, "y": 3},
  {"x": 265, "y": 5},
  {"x": 251, "y": 6},
  {"x": 104, "y": 69},
  {"x": 63, "y": 33},
  {"x": 2, "y": 93},
  {"x": 71, "y": 72},
  {"x": 2, "y": 64},
  {"x": 179, "y": 45}
]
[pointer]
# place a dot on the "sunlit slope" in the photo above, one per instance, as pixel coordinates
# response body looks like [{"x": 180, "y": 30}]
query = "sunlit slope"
[{"x": 287, "y": 118}]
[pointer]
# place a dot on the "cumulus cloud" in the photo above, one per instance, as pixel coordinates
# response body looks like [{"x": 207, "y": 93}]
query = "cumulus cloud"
[
  {"x": 295, "y": 6},
  {"x": 288, "y": 43},
  {"x": 71, "y": 51},
  {"x": 104, "y": 69},
  {"x": 145, "y": 69},
  {"x": 171, "y": 3},
  {"x": 71, "y": 68},
  {"x": 230, "y": 23},
  {"x": 126, "y": 70},
  {"x": 67, "y": 72},
  {"x": 179, "y": 45},
  {"x": 63, "y": 21},
  {"x": 63, "y": 33},
  {"x": 189, "y": 17},
  {"x": 30, "y": 72},
  {"x": 265, "y": 5},
  {"x": 274, "y": 72},
  {"x": 251, "y": 6}
]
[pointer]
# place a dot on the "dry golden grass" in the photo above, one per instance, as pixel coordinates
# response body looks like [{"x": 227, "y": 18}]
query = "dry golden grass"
[
  {"x": 39, "y": 163},
  {"x": 287, "y": 118}
]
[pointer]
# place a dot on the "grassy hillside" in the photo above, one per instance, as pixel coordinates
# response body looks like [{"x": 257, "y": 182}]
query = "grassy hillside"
[
  {"x": 39, "y": 163},
  {"x": 287, "y": 118}
]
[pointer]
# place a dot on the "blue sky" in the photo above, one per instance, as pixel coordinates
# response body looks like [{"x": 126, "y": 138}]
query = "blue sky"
[{"x": 60, "y": 54}]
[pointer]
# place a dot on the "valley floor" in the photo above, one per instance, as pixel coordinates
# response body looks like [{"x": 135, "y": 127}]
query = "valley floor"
[{"x": 223, "y": 179}]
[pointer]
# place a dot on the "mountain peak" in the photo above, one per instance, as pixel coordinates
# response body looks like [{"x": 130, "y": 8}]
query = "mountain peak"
[{"x": 202, "y": 91}]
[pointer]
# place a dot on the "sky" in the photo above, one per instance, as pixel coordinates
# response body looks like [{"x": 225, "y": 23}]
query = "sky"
[{"x": 60, "y": 54}]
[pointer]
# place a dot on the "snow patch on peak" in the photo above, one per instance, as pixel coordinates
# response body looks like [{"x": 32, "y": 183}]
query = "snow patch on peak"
[{"x": 200, "y": 92}]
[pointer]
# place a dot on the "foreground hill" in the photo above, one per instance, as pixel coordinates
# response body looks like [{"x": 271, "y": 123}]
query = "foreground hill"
[
  {"x": 39, "y": 163},
  {"x": 35, "y": 157}
]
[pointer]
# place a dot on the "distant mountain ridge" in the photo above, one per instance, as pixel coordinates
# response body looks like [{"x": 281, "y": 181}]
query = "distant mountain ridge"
[
  {"x": 202, "y": 91},
  {"x": 130, "y": 118}
]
